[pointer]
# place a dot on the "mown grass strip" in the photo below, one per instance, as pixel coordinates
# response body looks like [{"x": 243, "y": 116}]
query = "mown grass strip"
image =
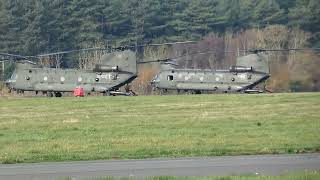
[{"x": 91, "y": 128}]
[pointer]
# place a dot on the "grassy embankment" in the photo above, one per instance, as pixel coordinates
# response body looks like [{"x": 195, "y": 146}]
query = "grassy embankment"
[{"x": 90, "y": 128}]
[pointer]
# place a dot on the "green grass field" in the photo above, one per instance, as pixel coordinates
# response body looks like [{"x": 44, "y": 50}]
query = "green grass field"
[
  {"x": 299, "y": 176},
  {"x": 91, "y": 128}
]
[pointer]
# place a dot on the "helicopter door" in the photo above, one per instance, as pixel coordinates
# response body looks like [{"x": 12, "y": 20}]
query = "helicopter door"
[
  {"x": 171, "y": 81},
  {"x": 29, "y": 79}
]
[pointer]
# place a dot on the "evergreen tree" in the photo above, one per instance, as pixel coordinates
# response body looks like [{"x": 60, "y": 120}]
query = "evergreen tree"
[
  {"x": 306, "y": 15},
  {"x": 4, "y": 28},
  {"x": 33, "y": 26},
  {"x": 87, "y": 19}
]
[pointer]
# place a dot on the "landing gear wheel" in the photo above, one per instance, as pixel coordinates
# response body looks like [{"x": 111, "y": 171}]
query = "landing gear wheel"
[
  {"x": 163, "y": 92},
  {"x": 107, "y": 93},
  {"x": 265, "y": 89},
  {"x": 58, "y": 94},
  {"x": 132, "y": 93},
  {"x": 49, "y": 94},
  {"x": 197, "y": 92},
  {"x": 128, "y": 91}
]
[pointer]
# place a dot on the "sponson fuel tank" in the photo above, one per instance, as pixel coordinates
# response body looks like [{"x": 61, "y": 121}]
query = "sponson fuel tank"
[
  {"x": 105, "y": 68},
  {"x": 240, "y": 69}
]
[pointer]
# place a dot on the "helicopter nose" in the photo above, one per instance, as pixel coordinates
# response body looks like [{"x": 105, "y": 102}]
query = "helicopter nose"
[
  {"x": 154, "y": 82},
  {"x": 8, "y": 83}
]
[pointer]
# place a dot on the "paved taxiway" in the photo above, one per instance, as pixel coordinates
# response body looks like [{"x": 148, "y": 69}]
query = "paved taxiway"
[{"x": 213, "y": 166}]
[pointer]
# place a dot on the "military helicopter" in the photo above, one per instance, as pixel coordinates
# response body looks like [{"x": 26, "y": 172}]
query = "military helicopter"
[
  {"x": 248, "y": 72},
  {"x": 244, "y": 77},
  {"x": 117, "y": 68}
]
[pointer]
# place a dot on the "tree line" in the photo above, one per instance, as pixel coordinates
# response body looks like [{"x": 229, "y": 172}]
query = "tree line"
[{"x": 31, "y": 26}]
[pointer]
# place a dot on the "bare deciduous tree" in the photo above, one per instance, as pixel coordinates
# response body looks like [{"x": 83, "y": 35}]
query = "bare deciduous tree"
[{"x": 88, "y": 59}]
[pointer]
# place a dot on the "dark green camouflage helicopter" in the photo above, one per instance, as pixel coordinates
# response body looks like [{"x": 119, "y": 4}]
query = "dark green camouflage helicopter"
[
  {"x": 115, "y": 70},
  {"x": 244, "y": 77},
  {"x": 119, "y": 68}
]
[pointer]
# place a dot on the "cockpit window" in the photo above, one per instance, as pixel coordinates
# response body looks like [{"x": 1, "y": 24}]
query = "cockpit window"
[{"x": 14, "y": 76}]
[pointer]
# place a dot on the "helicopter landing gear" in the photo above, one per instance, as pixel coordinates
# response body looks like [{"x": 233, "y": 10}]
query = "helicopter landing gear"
[
  {"x": 106, "y": 93},
  {"x": 268, "y": 91},
  {"x": 129, "y": 91},
  {"x": 163, "y": 92},
  {"x": 20, "y": 92},
  {"x": 49, "y": 94},
  {"x": 265, "y": 89},
  {"x": 54, "y": 94},
  {"x": 58, "y": 94},
  {"x": 119, "y": 93},
  {"x": 132, "y": 93}
]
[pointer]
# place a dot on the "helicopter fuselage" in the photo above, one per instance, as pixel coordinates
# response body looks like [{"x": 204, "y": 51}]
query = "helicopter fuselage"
[
  {"x": 116, "y": 70},
  {"x": 247, "y": 73},
  {"x": 26, "y": 78},
  {"x": 198, "y": 80}
]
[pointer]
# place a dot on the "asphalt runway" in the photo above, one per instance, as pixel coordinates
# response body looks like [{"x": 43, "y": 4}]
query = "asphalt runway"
[{"x": 213, "y": 166}]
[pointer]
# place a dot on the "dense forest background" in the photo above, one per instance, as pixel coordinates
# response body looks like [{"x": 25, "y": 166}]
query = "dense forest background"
[{"x": 30, "y": 27}]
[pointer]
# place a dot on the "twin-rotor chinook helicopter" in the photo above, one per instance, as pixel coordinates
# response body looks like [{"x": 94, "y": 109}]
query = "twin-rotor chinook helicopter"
[
  {"x": 115, "y": 70},
  {"x": 244, "y": 76},
  {"x": 119, "y": 68}
]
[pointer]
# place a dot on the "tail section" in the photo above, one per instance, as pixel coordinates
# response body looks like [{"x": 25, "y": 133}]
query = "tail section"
[
  {"x": 118, "y": 61},
  {"x": 258, "y": 62},
  {"x": 168, "y": 65}
]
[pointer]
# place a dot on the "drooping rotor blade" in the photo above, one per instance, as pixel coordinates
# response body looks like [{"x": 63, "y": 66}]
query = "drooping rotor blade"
[
  {"x": 171, "y": 43},
  {"x": 154, "y": 61},
  {"x": 212, "y": 51},
  {"x": 121, "y": 48},
  {"x": 155, "y": 44},
  {"x": 178, "y": 57},
  {"x": 12, "y": 55},
  {"x": 71, "y": 51},
  {"x": 209, "y": 51},
  {"x": 280, "y": 50}
]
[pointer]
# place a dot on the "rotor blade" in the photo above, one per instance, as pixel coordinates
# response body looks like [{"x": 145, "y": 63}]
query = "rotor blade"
[
  {"x": 178, "y": 57},
  {"x": 13, "y": 55},
  {"x": 121, "y": 48},
  {"x": 210, "y": 51},
  {"x": 160, "y": 44},
  {"x": 171, "y": 43},
  {"x": 153, "y": 61},
  {"x": 71, "y": 51},
  {"x": 279, "y": 50}
]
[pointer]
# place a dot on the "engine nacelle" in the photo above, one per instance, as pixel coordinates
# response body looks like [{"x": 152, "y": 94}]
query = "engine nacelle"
[
  {"x": 240, "y": 69},
  {"x": 105, "y": 68}
]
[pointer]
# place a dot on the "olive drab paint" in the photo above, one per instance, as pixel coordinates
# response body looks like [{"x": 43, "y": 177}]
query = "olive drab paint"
[
  {"x": 248, "y": 72},
  {"x": 116, "y": 69},
  {"x": 120, "y": 68}
]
